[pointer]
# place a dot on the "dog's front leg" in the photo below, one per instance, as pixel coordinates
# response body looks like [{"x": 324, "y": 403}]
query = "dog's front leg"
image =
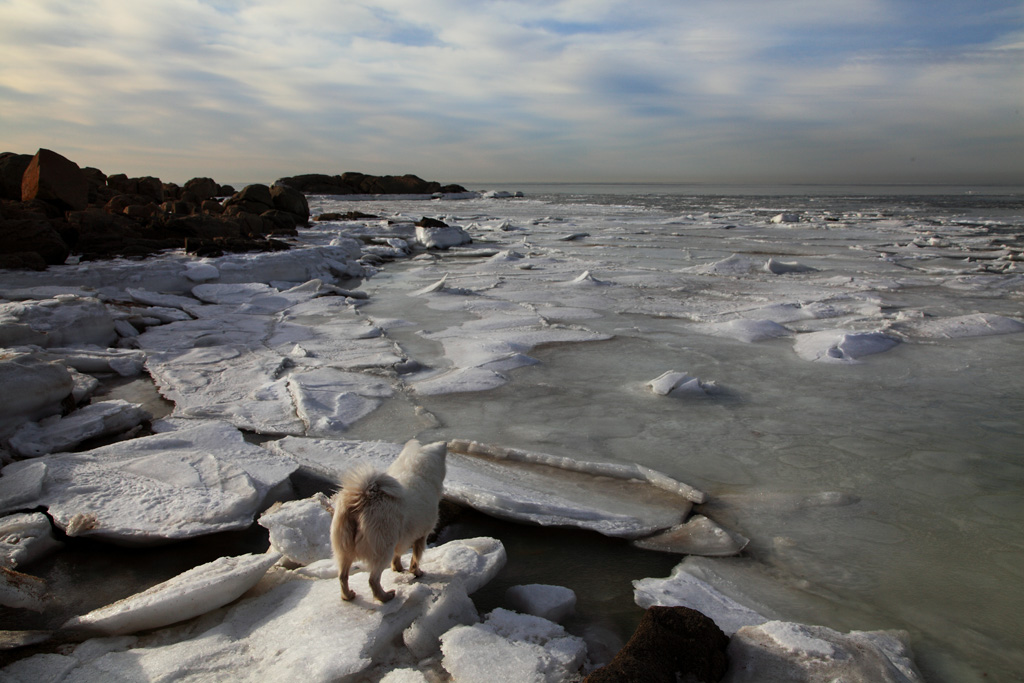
[{"x": 396, "y": 562}]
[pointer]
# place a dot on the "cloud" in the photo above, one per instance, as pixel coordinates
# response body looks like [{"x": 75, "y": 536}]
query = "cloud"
[{"x": 582, "y": 89}]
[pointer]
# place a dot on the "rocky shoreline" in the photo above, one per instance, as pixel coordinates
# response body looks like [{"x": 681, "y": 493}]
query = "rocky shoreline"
[{"x": 52, "y": 210}]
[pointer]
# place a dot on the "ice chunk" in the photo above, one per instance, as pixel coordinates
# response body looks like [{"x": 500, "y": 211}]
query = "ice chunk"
[
  {"x": 698, "y": 536},
  {"x": 626, "y": 501},
  {"x": 64, "y": 321},
  {"x": 554, "y": 603},
  {"x": 24, "y": 538},
  {"x": 442, "y": 238},
  {"x": 779, "y": 650},
  {"x": 973, "y": 325},
  {"x": 674, "y": 383},
  {"x": 201, "y": 272},
  {"x": 512, "y": 647},
  {"x": 62, "y": 433},
  {"x": 22, "y": 590},
  {"x": 32, "y": 389},
  {"x": 682, "y": 588},
  {"x": 450, "y": 608},
  {"x": 841, "y": 346},
  {"x": 297, "y": 630},
  {"x": 196, "y": 591},
  {"x": 782, "y": 267},
  {"x": 154, "y": 489},
  {"x": 300, "y": 529},
  {"x": 124, "y": 362},
  {"x": 786, "y": 218}
]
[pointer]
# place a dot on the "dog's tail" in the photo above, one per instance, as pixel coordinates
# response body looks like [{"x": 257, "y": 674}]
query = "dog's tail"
[{"x": 367, "y": 514}]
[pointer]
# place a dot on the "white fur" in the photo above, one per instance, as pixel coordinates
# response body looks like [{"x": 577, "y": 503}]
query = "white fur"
[{"x": 378, "y": 515}]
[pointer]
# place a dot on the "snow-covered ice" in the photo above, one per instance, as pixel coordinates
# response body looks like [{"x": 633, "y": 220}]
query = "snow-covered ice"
[
  {"x": 554, "y": 603},
  {"x": 24, "y": 538}
]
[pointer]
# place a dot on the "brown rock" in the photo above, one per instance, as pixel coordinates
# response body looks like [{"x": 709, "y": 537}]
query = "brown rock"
[
  {"x": 56, "y": 180},
  {"x": 291, "y": 200},
  {"x": 123, "y": 184},
  {"x": 151, "y": 187},
  {"x": 21, "y": 237},
  {"x": 12, "y": 168},
  {"x": 212, "y": 206},
  {"x": 203, "y": 188},
  {"x": 283, "y": 222},
  {"x": 670, "y": 644}
]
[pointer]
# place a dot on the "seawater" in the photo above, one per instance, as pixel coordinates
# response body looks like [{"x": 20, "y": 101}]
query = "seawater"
[{"x": 922, "y": 446}]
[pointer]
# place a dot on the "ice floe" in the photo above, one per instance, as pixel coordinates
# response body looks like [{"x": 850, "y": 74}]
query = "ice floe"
[
  {"x": 746, "y": 330},
  {"x": 195, "y": 592},
  {"x": 554, "y": 603},
  {"x": 24, "y": 538},
  {"x": 841, "y": 346},
  {"x": 33, "y": 389},
  {"x": 58, "y": 433},
  {"x": 179, "y": 484},
  {"x": 296, "y": 629},
  {"x": 513, "y": 647}
]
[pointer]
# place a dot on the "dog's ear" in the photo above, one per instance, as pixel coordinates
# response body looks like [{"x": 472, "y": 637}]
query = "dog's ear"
[{"x": 436, "y": 448}]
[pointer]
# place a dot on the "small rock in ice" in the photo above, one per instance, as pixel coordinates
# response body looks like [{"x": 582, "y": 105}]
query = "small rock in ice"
[
  {"x": 841, "y": 346},
  {"x": 300, "y": 529},
  {"x": 784, "y": 651},
  {"x": 673, "y": 383},
  {"x": 57, "y": 433},
  {"x": 512, "y": 647},
  {"x": 554, "y": 603},
  {"x": 24, "y": 538},
  {"x": 196, "y": 591}
]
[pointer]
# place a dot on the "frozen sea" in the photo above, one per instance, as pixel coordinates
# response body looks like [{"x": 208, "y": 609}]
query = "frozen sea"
[
  {"x": 837, "y": 368},
  {"x": 881, "y": 484}
]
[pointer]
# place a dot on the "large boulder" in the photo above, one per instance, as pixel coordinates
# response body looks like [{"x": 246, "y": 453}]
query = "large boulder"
[
  {"x": 669, "y": 644},
  {"x": 291, "y": 201},
  {"x": 56, "y": 180},
  {"x": 12, "y": 168},
  {"x": 202, "y": 188},
  {"x": 30, "y": 241}
]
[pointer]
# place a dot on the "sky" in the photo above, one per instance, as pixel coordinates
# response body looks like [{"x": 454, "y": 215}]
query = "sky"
[{"x": 491, "y": 91}]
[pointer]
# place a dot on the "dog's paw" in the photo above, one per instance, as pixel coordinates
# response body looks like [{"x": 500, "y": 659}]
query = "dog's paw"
[
  {"x": 417, "y": 572},
  {"x": 350, "y": 595},
  {"x": 386, "y": 596}
]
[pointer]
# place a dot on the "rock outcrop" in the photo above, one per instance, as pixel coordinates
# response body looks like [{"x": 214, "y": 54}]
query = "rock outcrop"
[{"x": 360, "y": 183}]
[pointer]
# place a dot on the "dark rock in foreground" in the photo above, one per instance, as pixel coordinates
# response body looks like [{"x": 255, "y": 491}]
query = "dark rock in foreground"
[{"x": 669, "y": 644}]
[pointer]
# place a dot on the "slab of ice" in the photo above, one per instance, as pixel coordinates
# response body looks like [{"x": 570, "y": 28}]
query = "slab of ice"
[
  {"x": 841, "y": 346},
  {"x": 627, "y": 501},
  {"x": 64, "y": 321},
  {"x": 783, "y": 267},
  {"x": 32, "y": 389},
  {"x": 184, "y": 483},
  {"x": 746, "y": 330},
  {"x": 554, "y": 603},
  {"x": 22, "y": 590},
  {"x": 58, "y": 433},
  {"x": 957, "y": 327},
  {"x": 24, "y": 538},
  {"x": 783, "y": 651},
  {"x": 442, "y": 238},
  {"x": 300, "y": 529},
  {"x": 197, "y": 591},
  {"x": 674, "y": 383},
  {"x": 698, "y": 536},
  {"x": 297, "y": 630},
  {"x": 123, "y": 362},
  {"x": 682, "y": 588}
]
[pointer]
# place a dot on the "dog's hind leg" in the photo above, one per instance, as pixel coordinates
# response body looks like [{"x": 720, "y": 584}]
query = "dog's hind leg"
[
  {"x": 378, "y": 590},
  {"x": 417, "y": 551},
  {"x": 344, "y": 565},
  {"x": 396, "y": 562}
]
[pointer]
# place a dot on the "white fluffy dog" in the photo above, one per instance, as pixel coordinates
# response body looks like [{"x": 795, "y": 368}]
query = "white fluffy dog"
[{"x": 378, "y": 515}]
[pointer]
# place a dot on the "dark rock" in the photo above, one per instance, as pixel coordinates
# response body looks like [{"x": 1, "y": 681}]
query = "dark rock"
[
  {"x": 151, "y": 187},
  {"x": 178, "y": 208},
  {"x": 21, "y": 237},
  {"x": 430, "y": 223},
  {"x": 349, "y": 216},
  {"x": 225, "y": 191},
  {"x": 56, "y": 180},
  {"x": 212, "y": 206},
  {"x": 316, "y": 183},
  {"x": 252, "y": 195},
  {"x": 361, "y": 183},
  {"x": 283, "y": 222},
  {"x": 291, "y": 200},
  {"x": 670, "y": 644},
  {"x": 123, "y": 184},
  {"x": 173, "y": 192},
  {"x": 12, "y": 169},
  {"x": 203, "y": 188},
  {"x": 97, "y": 183}
]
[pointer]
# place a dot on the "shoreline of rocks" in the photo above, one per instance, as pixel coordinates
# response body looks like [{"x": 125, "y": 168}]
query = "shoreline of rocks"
[{"x": 53, "y": 210}]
